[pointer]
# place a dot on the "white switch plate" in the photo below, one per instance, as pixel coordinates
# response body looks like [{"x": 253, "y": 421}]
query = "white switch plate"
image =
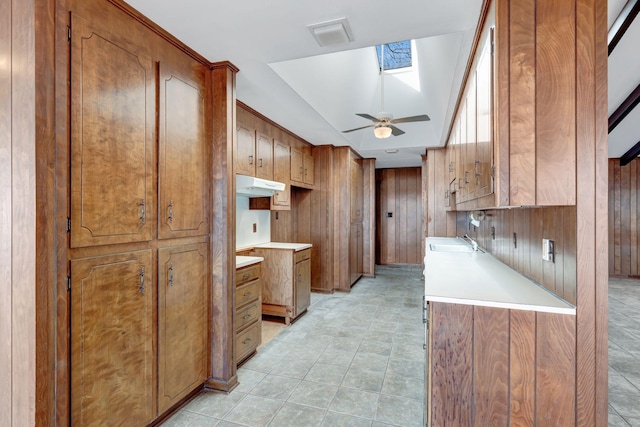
[{"x": 548, "y": 250}]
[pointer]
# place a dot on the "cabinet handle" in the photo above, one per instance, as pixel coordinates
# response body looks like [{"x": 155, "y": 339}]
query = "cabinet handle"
[
  {"x": 466, "y": 177},
  {"x": 247, "y": 341},
  {"x": 245, "y": 276},
  {"x": 246, "y": 294},
  {"x": 250, "y": 160},
  {"x": 170, "y": 211},
  {"x": 141, "y": 281},
  {"x": 170, "y": 274},
  {"x": 246, "y": 316},
  {"x": 143, "y": 212},
  {"x": 260, "y": 164}
]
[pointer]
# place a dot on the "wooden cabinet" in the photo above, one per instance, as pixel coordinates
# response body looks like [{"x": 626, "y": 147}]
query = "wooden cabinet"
[
  {"x": 281, "y": 173},
  {"x": 112, "y": 340},
  {"x": 470, "y": 146},
  {"x": 248, "y": 312},
  {"x": 264, "y": 156},
  {"x": 182, "y": 171},
  {"x": 356, "y": 190},
  {"x": 113, "y": 99},
  {"x": 302, "y": 168},
  {"x": 182, "y": 320},
  {"x": 286, "y": 286},
  {"x": 245, "y": 151},
  {"x": 355, "y": 252}
]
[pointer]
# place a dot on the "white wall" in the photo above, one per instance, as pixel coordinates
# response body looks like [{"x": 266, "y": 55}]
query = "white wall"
[{"x": 245, "y": 219}]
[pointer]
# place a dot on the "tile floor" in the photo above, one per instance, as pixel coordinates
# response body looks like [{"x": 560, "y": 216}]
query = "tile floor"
[
  {"x": 352, "y": 360},
  {"x": 624, "y": 352},
  {"x": 357, "y": 360}
]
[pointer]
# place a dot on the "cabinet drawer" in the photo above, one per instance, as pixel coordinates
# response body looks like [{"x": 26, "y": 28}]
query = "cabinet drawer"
[
  {"x": 247, "y": 341},
  {"x": 302, "y": 255},
  {"x": 247, "y": 274},
  {"x": 248, "y": 292},
  {"x": 248, "y": 314}
]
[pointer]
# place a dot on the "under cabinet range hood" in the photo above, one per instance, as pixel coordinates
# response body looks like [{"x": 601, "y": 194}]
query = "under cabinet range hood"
[{"x": 257, "y": 187}]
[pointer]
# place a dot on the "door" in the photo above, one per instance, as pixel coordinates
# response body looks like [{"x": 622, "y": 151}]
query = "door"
[
  {"x": 112, "y": 352},
  {"x": 484, "y": 76},
  {"x": 264, "y": 155},
  {"x": 303, "y": 285},
  {"x": 281, "y": 173},
  {"x": 182, "y": 166},
  {"x": 113, "y": 106},
  {"x": 309, "y": 169},
  {"x": 470, "y": 168},
  {"x": 182, "y": 314},
  {"x": 245, "y": 151},
  {"x": 297, "y": 166}
]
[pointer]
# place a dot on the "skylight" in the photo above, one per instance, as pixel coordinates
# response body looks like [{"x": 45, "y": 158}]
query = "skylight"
[{"x": 396, "y": 55}]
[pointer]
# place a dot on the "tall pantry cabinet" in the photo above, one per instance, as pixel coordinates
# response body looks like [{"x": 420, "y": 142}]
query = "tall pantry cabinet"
[{"x": 138, "y": 225}]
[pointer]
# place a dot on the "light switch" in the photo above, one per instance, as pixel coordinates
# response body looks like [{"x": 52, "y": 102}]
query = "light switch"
[{"x": 548, "y": 250}]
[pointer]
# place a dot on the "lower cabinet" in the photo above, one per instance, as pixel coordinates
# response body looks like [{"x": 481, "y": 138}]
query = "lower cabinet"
[
  {"x": 286, "y": 286},
  {"x": 182, "y": 322},
  {"x": 355, "y": 252},
  {"x": 248, "y": 303},
  {"x": 112, "y": 339}
]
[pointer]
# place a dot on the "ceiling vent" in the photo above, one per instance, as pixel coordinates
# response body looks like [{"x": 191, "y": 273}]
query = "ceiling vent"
[{"x": 332, "y": 32}]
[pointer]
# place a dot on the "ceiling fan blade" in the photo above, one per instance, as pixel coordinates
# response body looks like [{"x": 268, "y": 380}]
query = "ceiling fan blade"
[
  {"x": 395, "y": 131},
  {"x": 367, "y": 116},
  {"x": 422, "y": 118},
  {"x": 363, "y": 127}
]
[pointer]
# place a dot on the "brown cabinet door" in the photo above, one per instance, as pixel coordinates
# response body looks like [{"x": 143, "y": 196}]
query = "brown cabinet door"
[
  {"x": 182, "y": 318},
  {"x": 264, "y": 156},
  {"x": 470, "y": 167},
  {"x": 308, "y": 169},
  {"x": 112, "y": 352},
  {"x": 182, "y": 169},
  {"x": 484, "y": 77},
  {"x": 113, "y": 106},
  {"x": 281, "y": 173},
  {"x": 356, "y": 190},
  {"x": 297, "y": 166},
  {"x": 302, "y": 285},
  {"x": 245, "y": 151}
]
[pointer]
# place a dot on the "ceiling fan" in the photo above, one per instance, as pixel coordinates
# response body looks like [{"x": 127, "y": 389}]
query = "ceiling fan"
[{"x": 383, "y": 122}]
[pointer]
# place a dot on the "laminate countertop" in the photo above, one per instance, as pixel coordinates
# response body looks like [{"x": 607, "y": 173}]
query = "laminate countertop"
[
  {"x": 243, "y": 261},
  {"x": 281, "y": 245},
  {"x": 477, "y": 278}
]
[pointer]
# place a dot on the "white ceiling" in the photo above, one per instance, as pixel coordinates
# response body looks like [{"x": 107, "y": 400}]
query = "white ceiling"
[{"x": 315, "y": 91}]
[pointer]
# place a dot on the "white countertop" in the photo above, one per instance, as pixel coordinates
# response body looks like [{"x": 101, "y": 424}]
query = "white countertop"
[
  {"x": 243, "y": 261},
  {"x": 477, "y": 278},
  {"x": 281, "y": 245}
]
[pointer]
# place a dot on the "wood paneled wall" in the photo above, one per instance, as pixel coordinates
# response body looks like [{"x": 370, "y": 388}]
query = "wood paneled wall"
[
  {"x": 523, "y": 252},
  {"x": 370, "y": 217},
  {"x": 510, "y": 367},
  {"x": 18, "y": 142},
  {"x": 399, "y": 236},
  {"x": 624, "y": 218}
]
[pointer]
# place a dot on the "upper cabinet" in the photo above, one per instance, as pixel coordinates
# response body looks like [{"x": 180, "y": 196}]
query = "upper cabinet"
[
  {"x": 182, "y": 171},
  {"x": 264, "y": 156},
  {"x": 281, "y": 173},
  {"x": 484, "y": 121},
  {"x": 113, "y": 100},
  {"x": 245, "y": 151},
  {"x": 302, "y": 168}
]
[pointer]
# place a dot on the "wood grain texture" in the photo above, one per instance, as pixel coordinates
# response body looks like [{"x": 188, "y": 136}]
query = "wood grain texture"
[
  {"x": 555, "y": 102},
  {"x": 182, "y": 322},
  {"x": 490, "y": 366},
  {"x": 264, "y": 156},
  {"x": 522, "y": 93},
  {"x": 182, "y": 148},
  {"x": 502, "y": 106},
  {"x": 112, "y": 347},
  {"x": 522, "y": 373},
  {"x": 451, "y": 370},
  {"x": 322, "y": 234},
  {"x": 555, "y": 369},
  {"x": 222, "y": 366},
  {"x": 370, "y": 216}
]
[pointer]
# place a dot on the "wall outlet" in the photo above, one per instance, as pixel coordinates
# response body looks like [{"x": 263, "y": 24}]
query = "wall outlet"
[
  {"x": 548, "y": 250},
  {"x": 255, "y": 227}
]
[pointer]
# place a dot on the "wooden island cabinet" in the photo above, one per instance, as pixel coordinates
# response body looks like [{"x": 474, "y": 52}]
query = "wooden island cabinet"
[{"x": 286, "y": 278}]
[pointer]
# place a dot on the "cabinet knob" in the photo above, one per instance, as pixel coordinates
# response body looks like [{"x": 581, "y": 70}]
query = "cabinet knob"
[{"x": 247, "y": 341}]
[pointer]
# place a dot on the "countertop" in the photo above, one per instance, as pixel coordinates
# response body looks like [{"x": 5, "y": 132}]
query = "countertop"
[
  {"x": 280, "y": 245},
  {"x": 243, "y": 261},
  {"x": 477, "y": 278}
]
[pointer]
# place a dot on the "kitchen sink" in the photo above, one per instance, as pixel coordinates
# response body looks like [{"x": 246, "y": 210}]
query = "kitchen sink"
[{"x": 450, "y": 248}]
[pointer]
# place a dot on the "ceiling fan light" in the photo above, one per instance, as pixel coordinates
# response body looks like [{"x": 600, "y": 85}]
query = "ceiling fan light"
[{"x": 382, "y": 131}]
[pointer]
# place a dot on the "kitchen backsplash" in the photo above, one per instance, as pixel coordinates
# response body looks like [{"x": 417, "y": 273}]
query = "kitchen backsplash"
[{"x": 245, "y": 220}]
